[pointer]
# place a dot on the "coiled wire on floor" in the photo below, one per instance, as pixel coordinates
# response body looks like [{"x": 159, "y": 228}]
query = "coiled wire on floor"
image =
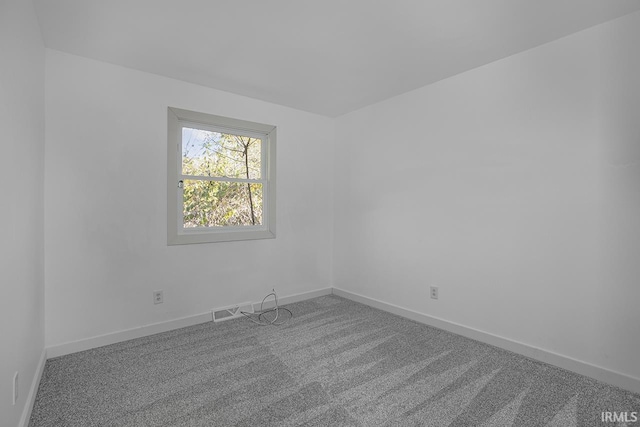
[{"x": 276, "y": 316}]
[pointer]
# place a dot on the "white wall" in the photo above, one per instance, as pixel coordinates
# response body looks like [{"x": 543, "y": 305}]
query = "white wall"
[
  {"x": 617, "y": 314},
  {"x": 105, "y": 204},
  {"x": 515, "y": 188},
  {"x": 21, "y": 212}
]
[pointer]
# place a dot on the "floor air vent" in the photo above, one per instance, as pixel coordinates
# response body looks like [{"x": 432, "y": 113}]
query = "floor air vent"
[{"x": 231, "y": 312}]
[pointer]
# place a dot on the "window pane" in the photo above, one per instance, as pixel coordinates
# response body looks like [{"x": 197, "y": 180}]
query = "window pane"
[
  {"x": 207, "y": 153},
  {"x": 220, "y": 204}
]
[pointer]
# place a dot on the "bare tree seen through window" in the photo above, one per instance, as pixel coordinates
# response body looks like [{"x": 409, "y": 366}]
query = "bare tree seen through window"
[{"x": 220, "y": 170}]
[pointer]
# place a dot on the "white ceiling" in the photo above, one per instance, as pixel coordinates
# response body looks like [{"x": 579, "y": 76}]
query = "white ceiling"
[{"x": 325, "y": 56}]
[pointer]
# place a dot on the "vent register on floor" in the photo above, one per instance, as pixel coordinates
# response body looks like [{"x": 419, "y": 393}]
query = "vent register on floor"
[{"x": 275, "y": 315}]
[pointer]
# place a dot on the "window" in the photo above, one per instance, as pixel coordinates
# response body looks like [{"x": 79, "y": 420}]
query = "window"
[{"x": 221, "y": 179}]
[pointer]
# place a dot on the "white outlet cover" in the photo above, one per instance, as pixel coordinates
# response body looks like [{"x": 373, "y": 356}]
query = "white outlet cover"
[{"x": 158, "y": 297}]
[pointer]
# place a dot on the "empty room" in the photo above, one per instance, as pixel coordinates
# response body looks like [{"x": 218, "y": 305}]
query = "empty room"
[{"x": 285, "y": 213}]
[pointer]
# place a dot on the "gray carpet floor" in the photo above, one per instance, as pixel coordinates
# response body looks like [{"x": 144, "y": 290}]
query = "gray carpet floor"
[{"x": 336, "y": 363}]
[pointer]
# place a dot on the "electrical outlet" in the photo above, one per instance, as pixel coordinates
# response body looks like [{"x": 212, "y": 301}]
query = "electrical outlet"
[
  {"x": 15, "y": 387},
  {"x": 434, "y": 292},
  {"x": 157, "y": 297}
]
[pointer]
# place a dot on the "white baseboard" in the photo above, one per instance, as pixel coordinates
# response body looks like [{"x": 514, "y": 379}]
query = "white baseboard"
[
  {"x": 290, "y": 299},
  {"x": 128, "y": 334},
  {"x": 33, "y": 391},
  {"x": 155, "y": 328},
  {"x": 579, "y": 367}
]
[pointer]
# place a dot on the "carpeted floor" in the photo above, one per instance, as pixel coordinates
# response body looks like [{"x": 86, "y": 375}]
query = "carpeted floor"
[{"x": 336, "y": 363}]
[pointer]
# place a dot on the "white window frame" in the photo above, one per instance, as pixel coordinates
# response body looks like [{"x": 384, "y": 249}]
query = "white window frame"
[{"x": 176, "y": 233}]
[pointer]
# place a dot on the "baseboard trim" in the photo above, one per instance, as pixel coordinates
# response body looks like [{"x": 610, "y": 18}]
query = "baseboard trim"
[
  {"x": 577, "y": 366},
  {"x": 128, "y": 334},
  {"x": 33, "y": 391},
  {"x": 155, "y": 328},
  {"x": 574, "y": 365},
  {"x": 290, "y": 299}
]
